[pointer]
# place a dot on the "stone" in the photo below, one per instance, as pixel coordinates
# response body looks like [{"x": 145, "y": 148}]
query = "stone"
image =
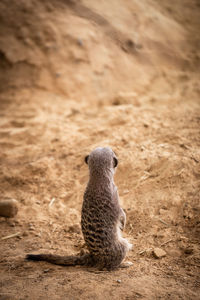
[
  {"x": 126, "y": 264},
  {"x": 8, "y": 207},
  {"x": 188, "y": 250},
  {"x": 159, "y": 253}
]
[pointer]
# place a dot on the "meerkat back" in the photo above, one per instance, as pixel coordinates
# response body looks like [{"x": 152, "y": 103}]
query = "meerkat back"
[{"x": 102, "y": 217}]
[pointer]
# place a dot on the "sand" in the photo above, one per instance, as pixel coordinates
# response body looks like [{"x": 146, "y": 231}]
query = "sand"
[{"x": 80, "y": 74}]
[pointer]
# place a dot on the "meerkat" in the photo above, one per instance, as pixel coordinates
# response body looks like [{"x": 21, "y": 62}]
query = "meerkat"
[{"x": 102, "y": 218}]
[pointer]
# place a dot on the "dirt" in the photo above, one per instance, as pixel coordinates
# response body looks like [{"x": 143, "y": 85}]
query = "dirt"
[{"x": 80, "y": 74}]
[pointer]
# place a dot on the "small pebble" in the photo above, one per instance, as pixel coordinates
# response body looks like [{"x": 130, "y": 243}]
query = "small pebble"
[
  {"x": 80, "y": 42},
  {"x": 142, "y": 148},
  {"x": 119, "y": 281},
  {"x": 46, "y": 270},
  {"x": 31, "y": 228},
  {"x": 188, "y": 251},
  {"x": 159, "y": 253},
  {"x": 162, "y": 211},
  {"x": 8, "y": 207}
]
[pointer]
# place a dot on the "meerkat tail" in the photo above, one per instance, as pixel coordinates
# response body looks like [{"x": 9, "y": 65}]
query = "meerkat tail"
[{"x": 61, "y": 260}]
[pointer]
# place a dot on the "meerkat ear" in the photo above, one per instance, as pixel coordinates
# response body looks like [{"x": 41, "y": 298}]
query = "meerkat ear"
[
  {"x": 115, "y": 162},
  {"x": 86, "y": 159}
]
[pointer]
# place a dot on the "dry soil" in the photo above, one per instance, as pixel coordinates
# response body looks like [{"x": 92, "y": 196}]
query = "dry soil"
[{"x": 80, "y": 74}]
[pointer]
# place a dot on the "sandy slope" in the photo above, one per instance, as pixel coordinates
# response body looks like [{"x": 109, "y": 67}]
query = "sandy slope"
[{"x": 79, "y": 74}]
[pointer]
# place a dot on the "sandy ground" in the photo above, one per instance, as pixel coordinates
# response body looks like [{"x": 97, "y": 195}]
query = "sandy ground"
[{"x": 80, "y": 74}]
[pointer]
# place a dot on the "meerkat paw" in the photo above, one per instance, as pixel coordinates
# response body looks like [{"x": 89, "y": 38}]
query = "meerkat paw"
[{"x": 126, "y": 264}]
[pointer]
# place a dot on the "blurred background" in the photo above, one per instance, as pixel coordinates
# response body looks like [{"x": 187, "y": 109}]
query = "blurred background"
[{"x": 77, "y": 74}]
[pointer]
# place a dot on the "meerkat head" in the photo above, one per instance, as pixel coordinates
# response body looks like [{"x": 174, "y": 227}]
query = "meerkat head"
[{"x": 101, "y": 159}]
